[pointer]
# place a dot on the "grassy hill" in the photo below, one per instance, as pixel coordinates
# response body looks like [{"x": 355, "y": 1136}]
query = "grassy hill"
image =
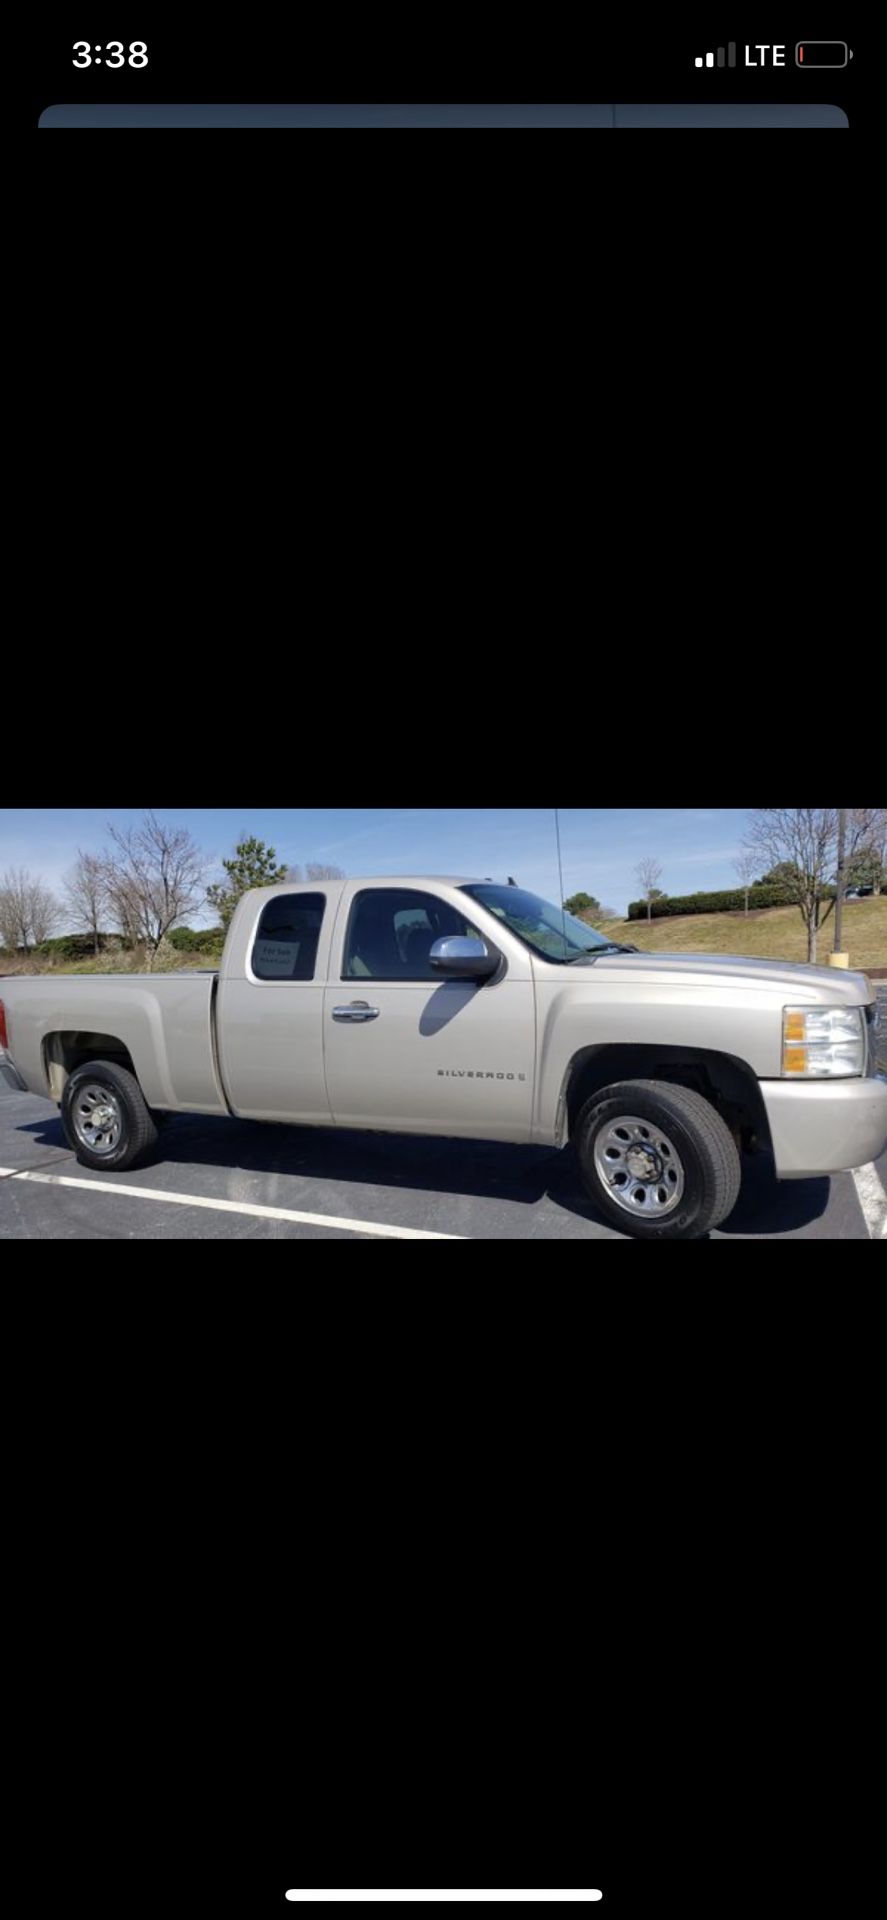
[{"x": 776, "y": 933}]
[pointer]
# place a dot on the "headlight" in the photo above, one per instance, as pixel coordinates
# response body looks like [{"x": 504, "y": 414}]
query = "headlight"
[{"x": 823, "y": 1043}]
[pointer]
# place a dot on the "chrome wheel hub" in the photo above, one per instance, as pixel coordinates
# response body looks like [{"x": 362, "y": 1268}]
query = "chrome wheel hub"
[
  {"x": 643, "y": 1165},
  {"x": 639, "y": 1166},
  {"x": 98, "y": 1122}
]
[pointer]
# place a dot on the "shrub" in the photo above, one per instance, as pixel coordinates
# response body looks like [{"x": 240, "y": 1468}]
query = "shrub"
[
  {"x": 204, "y": 940},
  {"x": 729, "y": 902},
  {"x": 69, "y": 946}
]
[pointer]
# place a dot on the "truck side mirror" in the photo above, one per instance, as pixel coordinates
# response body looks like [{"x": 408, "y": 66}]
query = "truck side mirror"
[{"x": 459, "y": 958}]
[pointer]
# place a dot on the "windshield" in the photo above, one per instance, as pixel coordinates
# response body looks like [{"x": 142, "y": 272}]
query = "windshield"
[{"x": 551, "y": 932}]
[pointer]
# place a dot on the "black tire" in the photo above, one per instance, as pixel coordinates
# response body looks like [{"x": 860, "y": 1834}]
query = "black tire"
[
  {"x": 136, "y": 1133},
  {"x": 709, "y": 1159}
]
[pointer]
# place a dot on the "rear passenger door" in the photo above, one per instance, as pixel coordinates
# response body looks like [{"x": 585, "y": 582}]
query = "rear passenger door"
[
  {"x": 407, "y": 1051},
  {"x": 270, "y": 1012}
]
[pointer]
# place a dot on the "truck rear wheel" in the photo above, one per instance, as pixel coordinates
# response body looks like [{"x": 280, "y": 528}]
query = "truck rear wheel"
[
  {"x": 106, "y": 1119},
  {"x": 658, "y": 1160}
]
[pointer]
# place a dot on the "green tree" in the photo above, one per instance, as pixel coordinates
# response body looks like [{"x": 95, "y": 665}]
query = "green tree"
[
  {"x": 865, "y": 870},
  {"x": 583, "y": 903},
  {"x": 786, "y": 875},
  {"x": 253, "y": 865}
]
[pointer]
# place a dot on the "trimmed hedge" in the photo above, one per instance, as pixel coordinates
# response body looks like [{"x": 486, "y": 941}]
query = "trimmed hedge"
[{"x": 732, "y": 902}]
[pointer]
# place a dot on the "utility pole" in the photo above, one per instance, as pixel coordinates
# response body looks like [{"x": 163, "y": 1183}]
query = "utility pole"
[
  {"x": 842, "y": 877},
  {"x": 560, "y": 868}
]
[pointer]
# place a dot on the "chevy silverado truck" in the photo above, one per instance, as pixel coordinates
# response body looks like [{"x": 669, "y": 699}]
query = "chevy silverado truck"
[{"x": 471, "y": 1010}]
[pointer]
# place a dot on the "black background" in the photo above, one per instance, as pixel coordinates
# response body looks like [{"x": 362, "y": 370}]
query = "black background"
[
  {"x": 393, "y": 1575},
  {"x": 345, "y": 1565},
  {"x": 341, "y": 1563},
  {"x": 381, "y": 53}
]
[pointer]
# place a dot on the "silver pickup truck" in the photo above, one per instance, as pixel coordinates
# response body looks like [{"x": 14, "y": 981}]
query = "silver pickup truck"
[{"x": 466, "y": 1009}]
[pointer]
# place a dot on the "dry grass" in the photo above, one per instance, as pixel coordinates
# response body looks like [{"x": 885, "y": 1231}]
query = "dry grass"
[
  {"x": 776, "y": 934},
  {"x": 168, "y": 962}
]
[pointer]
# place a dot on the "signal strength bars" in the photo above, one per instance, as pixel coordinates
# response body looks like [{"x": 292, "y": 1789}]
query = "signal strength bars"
[{"x": 725, "y": 57}]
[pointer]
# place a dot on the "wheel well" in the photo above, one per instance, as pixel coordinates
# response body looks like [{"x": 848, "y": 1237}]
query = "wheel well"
[
  {"x": 64, "y": 1052},
  {"x": 729, "y": 1084}
]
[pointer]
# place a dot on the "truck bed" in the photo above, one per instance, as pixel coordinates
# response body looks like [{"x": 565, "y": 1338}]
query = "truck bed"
[{"x": 163, "y": 1021}]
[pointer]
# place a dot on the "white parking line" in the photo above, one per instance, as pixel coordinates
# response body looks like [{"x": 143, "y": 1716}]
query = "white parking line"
[
  {"x": 872, "y": 1199},
  {"x": 229, "y": 1206}
]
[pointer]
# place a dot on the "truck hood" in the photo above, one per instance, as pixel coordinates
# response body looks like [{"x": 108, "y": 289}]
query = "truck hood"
[{"x": 818, "y": 986}]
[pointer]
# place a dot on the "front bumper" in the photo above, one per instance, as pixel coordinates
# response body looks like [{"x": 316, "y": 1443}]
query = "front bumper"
[{"x": 822, "y": 1126}]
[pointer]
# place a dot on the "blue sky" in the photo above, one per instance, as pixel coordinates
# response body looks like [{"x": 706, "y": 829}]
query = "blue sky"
[{"x": 602, "y": 846}]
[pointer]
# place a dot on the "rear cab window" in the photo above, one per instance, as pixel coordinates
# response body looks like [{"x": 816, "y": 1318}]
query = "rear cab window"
[{"x": 288, "y": 937}]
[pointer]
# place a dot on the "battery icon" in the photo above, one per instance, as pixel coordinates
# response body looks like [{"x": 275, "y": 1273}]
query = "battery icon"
[{"x": 822, "y": 53}]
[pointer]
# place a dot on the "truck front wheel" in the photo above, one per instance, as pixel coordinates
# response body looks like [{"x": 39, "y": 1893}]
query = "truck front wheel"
[
  {"x": 658, "y": 1160},
  {"x": 105, "y": 1117}
]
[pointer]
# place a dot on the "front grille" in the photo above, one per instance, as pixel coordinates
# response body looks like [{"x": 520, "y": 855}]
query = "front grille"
[
  {"x": 880, "y": 1034},
  {"x": 876, "y": 1026}
]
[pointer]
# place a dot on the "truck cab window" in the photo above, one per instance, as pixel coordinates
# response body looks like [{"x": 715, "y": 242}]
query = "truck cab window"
[
  {"x": 288, "y": 937},
  {"x": 391, "y": 934}
]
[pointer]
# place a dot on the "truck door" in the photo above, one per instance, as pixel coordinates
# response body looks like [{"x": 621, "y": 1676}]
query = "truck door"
[
  {"x": 270, "y": 1010},
  {"x": 409, "y": 1052}
]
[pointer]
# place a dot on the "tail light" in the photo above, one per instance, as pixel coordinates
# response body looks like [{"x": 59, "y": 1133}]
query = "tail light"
[{"x": 4, "y": 1036}]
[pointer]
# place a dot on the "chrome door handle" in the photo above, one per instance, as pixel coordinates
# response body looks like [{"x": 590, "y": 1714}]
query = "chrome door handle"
[{"x": 359, "y": 1011}]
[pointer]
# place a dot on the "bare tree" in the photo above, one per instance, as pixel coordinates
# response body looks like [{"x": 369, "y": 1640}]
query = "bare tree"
[
  {"x": 9, "y": 928},
  {"x": 294, "y": 877},
  {"x": 157, "y": 876},
  {"x": 649, "y": 874},
  {"x": 746, "y": 867},
  {"x": 44, "y": 911},
  {"x": 86, "y": 894},
  {"x": 28, "y": 910},
  {"x": 314, "y": 871},
  {"x": 123, "y": 906},
  {"x": 803, "y": 841}
]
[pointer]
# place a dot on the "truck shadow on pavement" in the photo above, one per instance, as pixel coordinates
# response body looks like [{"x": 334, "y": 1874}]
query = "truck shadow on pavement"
[
  {"x": 767, "y": 1206},
  {"x": 404, "y": 1163}
]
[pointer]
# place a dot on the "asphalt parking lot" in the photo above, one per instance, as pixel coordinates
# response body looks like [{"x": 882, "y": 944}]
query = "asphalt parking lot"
[{"x": 227, "y": 1179}]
